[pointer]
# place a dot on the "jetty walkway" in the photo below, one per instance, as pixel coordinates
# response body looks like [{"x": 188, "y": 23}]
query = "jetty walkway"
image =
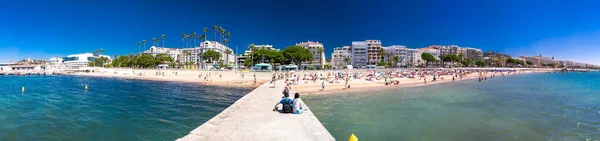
[{"x": 252, "y": 118}]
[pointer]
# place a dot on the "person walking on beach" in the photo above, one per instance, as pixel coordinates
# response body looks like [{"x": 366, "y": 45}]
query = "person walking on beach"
[{"x": 323, "y": 85}]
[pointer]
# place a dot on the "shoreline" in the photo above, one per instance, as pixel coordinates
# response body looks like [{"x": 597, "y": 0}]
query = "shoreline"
[{"x": 305, "y": 87}]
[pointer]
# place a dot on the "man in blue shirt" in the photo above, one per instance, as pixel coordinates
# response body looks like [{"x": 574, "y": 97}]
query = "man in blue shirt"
[{"x": 287, "y": 104}]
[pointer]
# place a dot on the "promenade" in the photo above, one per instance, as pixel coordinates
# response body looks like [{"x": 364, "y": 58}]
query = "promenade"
[{"x": 252, "y": 118}]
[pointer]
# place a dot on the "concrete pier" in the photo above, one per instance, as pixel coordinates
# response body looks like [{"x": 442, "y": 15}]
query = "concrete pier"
[{"x": 252, "y": 118}]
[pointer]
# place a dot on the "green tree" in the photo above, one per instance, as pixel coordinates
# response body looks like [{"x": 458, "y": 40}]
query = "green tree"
[
  {"x": 163, "y": 58},
  {"x": 428, "y": 58},
  {"x": 227, "y": 52},
  {"x": 139, "y": 43},
  {"x": 144, "y": 42},
  {"x": 145, "y": 61},
  {"x": 320, "y": 50},
  {"x": 311, "y": 67},
  {"x": 297, "y": 54},
  {"x": 98, "y": 51},
  {"x": 193, "y": 36},
  {"x": 163, "y": 39},
  {"x": 381, "y": 63},
  {"x": 204, "y": 30},
  {"x": 183, "y": 40},
  {"x": 396, "y": 59},
  {"x": 214, "y": 28},
  {"x": 479, "y": 63},
  {"x": 347, "y": 60},
  {"x": 251, "y": 48},
  {"x": 381, "y": 53},
  {"x": 100, "y": 61},
  {"x": 529, "y": 62},
  {"x": 211, "y": 56}
]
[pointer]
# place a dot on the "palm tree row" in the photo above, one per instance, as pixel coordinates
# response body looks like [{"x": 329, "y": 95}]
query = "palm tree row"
[{"x": 186, "y": 40}]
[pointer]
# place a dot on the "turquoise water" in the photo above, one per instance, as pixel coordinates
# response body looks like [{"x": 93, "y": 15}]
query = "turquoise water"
[
  {"x": 58, "y": 108},
  {"x": 528, "y": 107}
]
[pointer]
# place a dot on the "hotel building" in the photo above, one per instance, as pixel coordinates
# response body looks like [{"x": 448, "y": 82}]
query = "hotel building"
[
  {"x": 360, "y": 57},
  {"x": 194, "y": 54},
  {"x": 78, "y": 61},
  {"x": 373, "y": 47},
  {"x": 319, "y": 57},
  {"x": 339, "y": 56}
]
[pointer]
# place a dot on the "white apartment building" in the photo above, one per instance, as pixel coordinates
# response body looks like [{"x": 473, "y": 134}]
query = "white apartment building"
[
  {"x": 78, "y": 61},
  {"x": 319, "y": 57},
  {"x": 373, "y": 50},
  {"x": 360, "y": 54},
  {"x": 194, "y": 54},
  {"x": 396, "y": 50},
  {"x": 418, "y": 60},
  {"x": 173, "y": 52},
  {"x": 339, "y": 56}
]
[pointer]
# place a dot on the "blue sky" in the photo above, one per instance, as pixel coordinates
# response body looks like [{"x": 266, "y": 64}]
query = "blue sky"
[{"x": 42, "y": 28}]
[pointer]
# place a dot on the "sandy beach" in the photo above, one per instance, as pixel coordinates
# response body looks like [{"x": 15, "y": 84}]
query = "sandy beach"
[{"x": 308, "y": 86}]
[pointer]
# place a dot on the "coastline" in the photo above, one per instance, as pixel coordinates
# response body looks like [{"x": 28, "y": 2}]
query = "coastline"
[
  {"x": 315, "y": 88},
  {"x": 305, "y": 87}
]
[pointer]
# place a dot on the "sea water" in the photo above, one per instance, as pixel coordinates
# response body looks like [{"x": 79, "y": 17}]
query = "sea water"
[
  {"x": 532, "y": 107},
  {"x": 59, "y": 108}
]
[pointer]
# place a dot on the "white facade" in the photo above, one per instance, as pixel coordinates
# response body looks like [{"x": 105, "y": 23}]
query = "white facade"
[
  {"x": 174, "y": 53},
  {"x": 339, "y": 54},
  {"x": 360, "y": 54},
  {"x": 78, "y": 61},
  {"x": 194, "y": 55},
  {"x": 418, "y": 60},
  {"x": 396, "y": 50},
  {"x": 319, "y": 58}
]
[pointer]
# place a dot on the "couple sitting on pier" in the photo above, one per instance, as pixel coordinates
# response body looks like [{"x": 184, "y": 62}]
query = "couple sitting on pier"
[{"x": 291, "y": 106}]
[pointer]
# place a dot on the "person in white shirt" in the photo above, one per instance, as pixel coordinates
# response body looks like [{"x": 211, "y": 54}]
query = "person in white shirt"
[{"x": 299, "y": 106}]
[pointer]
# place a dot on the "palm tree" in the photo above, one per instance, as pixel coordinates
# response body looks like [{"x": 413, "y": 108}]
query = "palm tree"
[
  {"x": 183, "y": 40},
  {"x": 214, "y": 27},
  {"x": 205, "y": 30},
  {"x": 187, "y": 39},
  {"x": 227, "y": 35},
  {"x": 396, "y": 60},
  {"x": 163, "y": 39},
  {"x": 225, "y": 41},
  {"x": 227, "y": 52},
  {"x": 251, "y": 47},
  {"x": 347, "y": 60},
  {"x": 144, "y": 41},
  {"x": 187, "y": 55},
  {"x": 220, "y": 30},
  {"x": 320, "y": 50},
  {"x": 193, "y": 36},
  {"x": 115, "y": 60},
  {"x": 381, "y": 52},
  {"x": 139, "y": 43},
  {"x": 154, "y": 41}
]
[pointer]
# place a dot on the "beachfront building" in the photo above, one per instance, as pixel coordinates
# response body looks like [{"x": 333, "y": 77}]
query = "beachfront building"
[
  {"x": 194, "y": 55},
  {"x": 360, "y": 54},
  {"x": 78, "y": 61},
  {"x": 319, "y": 57},
  {"x": 173, "y": 52},
  {"x": 418, "y": 60},
  {"x": 341, "y": 56},
  {"x": 241, "y": 58},
  {"x": 473, "y": 53},
  {"x": 373, "y": 51},
  {"x": 538, "y": 61},
  {"x": 396, "y": 50}
]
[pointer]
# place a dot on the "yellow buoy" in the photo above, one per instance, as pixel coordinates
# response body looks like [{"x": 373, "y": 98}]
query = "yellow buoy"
[
  {"x": 353, "y": 138},
  {"x": 86, "y": 87},
  {"x": 22, "y": 89}
]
